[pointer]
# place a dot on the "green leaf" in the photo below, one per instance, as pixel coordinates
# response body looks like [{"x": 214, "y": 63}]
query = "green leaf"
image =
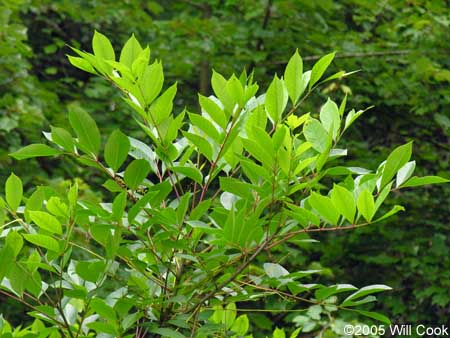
[
  {"x": 325, "y": 155},
  {"x": 397, "y": 159},
  {"x": 118, "y": 206},
  {"x": 240, "y": 325},
  {"x": 393, "y": 211},
  {"x": 98, "y": 63},
  {"x": 90, "y": 270},
  {"x": 264, "y": 140},
  {"x": 344, "y": 201},
  {"x": 236, "y": 187},
  {"x": 259, "y": 152},
  {"x": 293, "y": 77},
  {"x": 202, "y": 145},
  {"x": 382, "y": 195},
  {"x": 141, "y": 62},
  {"x": 46, "y": 222},
  {"x": 7, "y": 259},
  {"x": 15, "y": 241},
  {"x": 103, "y": 310},
  {"x": 330, "y": 118},
  {"x": 57, "y": 207},
  {"x": 294, "y": 121},
  {"x": 284, "y": 160},
  {"x": 254, "y": 172},
  {"x": 191, "y": 172},
  {"x": 130, "y": 51},
  {"x": 63, "y": 138},
  {"x": 82, "y": 64},
  {"x": 43, "y": 241},
  {"x": 325, "y": 292},
  {"x": 2, "y": 214},
  {"x": 319, "y": 68},
  {"x": 240, "y": 231},
  {"x": 140, "y": 150},
  {"x": 275, "y": 270},
  {"x": 206, "y": 126},
  {"x": 152, "y": 81},
  {"x": 34, "y": 202},
  {"x": 235, "y": 90},
  {"x": 316, "y": 134},
  {"x": 72, "y": 196},
  {"x": 162, "y": 107},
  {"x": 229, "y": 315},
  {"x": 165, "y": 332},
  {"x": 257, "y": 118},
  {"x": 107, "y": 328},
  {"x": 324, "y": 207},
  {"x": 200, "y": 210},
  {"x": 17, "y": 278},
  {"x": 102, "y": 47},
  {"x": 366, "y": 204},
  {"x": 213, "y": 110},
  {"x": 405, "y": 172},
  {"x": 375, "y": 315},
  {"x": 418, "y": 181},
  {"x": 35, "y": 150},
  {"x": 305, "y": 164},
  {"x": 169, "y": 132},
  {"x": 367, "y": 290},
  {"x": 136, "y": 172},
  {"x": 306, "y": 77},
  {"x": 342, "y": 106},
  {"x": 86, "y": 130},
  {"x": 296, "y": 333},
  {"x": 112, "y": 186},
  {"x": 218, "y": 315},
  {"x": 219, "y": 85},
  {"x": 276, "y": 99},
  {"x": 13, "y": 191},
  {"x": 279, "y": 333},
  {"x": 304, "y": 217},
  {"x": 351, "y": 117},
  {"x": 116, "y": 149}
]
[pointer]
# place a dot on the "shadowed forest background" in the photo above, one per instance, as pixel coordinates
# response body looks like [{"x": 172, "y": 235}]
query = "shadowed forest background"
[{"x": 401, "y": 49}]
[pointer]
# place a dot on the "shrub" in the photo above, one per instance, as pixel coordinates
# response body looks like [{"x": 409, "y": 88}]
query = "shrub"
[{"x": 195, "y": 210}]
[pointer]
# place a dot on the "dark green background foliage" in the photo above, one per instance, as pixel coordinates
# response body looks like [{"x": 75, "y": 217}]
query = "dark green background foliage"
[{"x": 400, "y": 47}]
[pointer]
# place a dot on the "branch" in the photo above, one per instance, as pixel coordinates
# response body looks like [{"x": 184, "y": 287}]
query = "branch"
[
  {"x": 24, "y": 302},
  {"x": 309, "y": 229},
  {"x": 350, "y": 55},
  {"x": 219, "y": 155},
  {"x": 211, "y": 294},
  {"x": 242, "y": 267},
  {"x": 280, "y": 293}
]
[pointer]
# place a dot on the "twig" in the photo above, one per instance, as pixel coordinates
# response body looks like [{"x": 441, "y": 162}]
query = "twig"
[
  {"x": 24, "y": 302},
  {"x": 349, "y": 55},
  {"x": 211, "y": 294},
  {"x": 285, "y": 294},
  {"x": 307, "y": 230},
  {"x": 219, "y": 155}
]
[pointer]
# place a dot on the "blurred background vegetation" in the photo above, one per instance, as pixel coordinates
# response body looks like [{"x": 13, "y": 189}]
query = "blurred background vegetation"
[{"x": 400, "y": 47}]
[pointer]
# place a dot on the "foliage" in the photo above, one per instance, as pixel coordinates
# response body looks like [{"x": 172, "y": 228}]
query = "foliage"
[
  {"x": 196, "y": 209},
  {"x": 399, "y": 47}
]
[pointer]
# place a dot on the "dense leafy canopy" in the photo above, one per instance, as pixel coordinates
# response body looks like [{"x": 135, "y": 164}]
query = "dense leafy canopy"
[
  {"x": 400, "y": 50},
  {"x": 179, "y": 243}
]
